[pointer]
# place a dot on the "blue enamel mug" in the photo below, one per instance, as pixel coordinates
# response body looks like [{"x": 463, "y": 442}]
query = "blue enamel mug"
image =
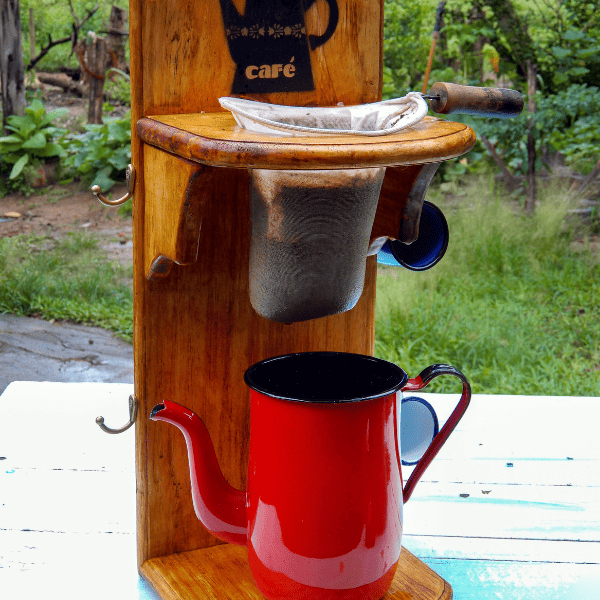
[{"x": 427, "y": 250}]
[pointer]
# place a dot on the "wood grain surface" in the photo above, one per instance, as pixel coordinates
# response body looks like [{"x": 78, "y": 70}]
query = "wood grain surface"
[
  {"x": 200, "y": 575},
  {"x": 195, "y": 331},
  {"x": 217, "y": 140},
  {"x": 199, "y": 335},
  {"x": 187, "y": 65},
  {"x": 492, "y": 102},
  {"x": 174, "y": 209}
]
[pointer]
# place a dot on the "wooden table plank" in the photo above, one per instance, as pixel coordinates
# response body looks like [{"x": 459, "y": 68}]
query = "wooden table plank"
[
  {"x": 533, "y": 427},
  {"x": 68, "y": 501},
  {"x": 579, "y": 472},
  {"x": 67, "y": 511},
  {"x": 52, "y": 425},
  {"x": 508, "y": 511}
]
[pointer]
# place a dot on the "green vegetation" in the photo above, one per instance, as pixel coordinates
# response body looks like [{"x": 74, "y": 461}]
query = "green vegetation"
[
  {"x": 101, "y": 154},
  {"x": 567, "y": 122},
  {"x": 53, "y": 18},
  {"x": 482, "y": 42},
  {"x": 32, "y": 140},
  {"x": 512, "y": 304},
  {"x": 68, "y": 278},
  {"x": 488, "y": 42},
  {"x": 118, "y": 88},
  {"x": 98, "y": 156}
]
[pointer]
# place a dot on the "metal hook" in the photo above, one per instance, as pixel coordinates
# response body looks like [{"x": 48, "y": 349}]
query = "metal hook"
[
  {"x": 129, "y": 178},
  {"x": 133, "y": 409}
]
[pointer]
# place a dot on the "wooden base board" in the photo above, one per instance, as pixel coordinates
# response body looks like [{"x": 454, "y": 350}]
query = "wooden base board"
[{"x": 222, "y": 573}]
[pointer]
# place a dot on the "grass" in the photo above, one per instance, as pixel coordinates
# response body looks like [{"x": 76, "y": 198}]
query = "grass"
[
  {"x": 68, "y": 278},
  {"x": 512, "y": 305}
]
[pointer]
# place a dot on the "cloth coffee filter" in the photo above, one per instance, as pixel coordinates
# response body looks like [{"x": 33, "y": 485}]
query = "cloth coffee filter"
[{"x": 377, "y": 118}]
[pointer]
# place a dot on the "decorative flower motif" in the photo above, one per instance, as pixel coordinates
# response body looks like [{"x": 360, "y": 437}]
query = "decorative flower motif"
[
  {"x": 244, "y": 32},
  {"x": 256, "y": 31},
  {"x": 287, "y": 30},
  {"x": 276, "y": 31},
  {"x": 298, "y": 30},
  {"x": 233, "y": 32}
]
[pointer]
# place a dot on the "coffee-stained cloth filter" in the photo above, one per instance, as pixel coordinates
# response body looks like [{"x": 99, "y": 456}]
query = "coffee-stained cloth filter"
[
  {"x": 377, "y": 118},
  {"x": 310, "y": 235}
]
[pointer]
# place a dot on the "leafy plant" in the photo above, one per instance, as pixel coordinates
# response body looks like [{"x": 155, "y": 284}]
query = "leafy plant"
[
  {"x": 119, "y": 87},
  {"x": 31, "y": 140},
  {"x": 405, "y": 45},
  {"x": 567, "y": 39},
  {"x": 567, "y": 122},
  {"x": 101, "y": 154},
  {"x": 54, "y": 20}
]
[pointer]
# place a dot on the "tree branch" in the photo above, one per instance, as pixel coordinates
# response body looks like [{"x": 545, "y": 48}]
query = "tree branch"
[
  {"x": 511, "y": 181},
  {"x": 72, "y": 38},
  {"x": 589, "y": 179},
  {"x": 74, "y": 14}
]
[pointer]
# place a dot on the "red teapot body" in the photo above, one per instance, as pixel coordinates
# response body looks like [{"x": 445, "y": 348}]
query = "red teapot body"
[{"x": 322, "y": 515}]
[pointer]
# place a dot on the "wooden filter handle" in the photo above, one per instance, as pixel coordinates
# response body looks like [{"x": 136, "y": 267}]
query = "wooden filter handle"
[{"x": 449, "y": 98}]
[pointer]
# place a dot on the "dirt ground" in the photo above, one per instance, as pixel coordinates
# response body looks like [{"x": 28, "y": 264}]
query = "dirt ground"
[{"x": 63, "y": 208}]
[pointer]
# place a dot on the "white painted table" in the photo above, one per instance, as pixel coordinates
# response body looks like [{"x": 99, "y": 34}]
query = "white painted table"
[{"x": 510, "y": 509}]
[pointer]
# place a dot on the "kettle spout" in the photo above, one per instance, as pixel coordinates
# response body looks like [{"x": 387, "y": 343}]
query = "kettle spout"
[{"x": 219, "y": 506}]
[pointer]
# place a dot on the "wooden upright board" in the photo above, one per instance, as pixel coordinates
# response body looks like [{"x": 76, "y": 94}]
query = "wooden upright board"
[{"x": 195, "y": 332}]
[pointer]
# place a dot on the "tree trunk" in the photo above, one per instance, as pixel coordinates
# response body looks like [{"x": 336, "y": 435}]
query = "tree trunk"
[
  {"x": 116, "y": 35},
  {"x": 96, "y": 60},
  {"x": 31, "y": 35},
  {"x": 61, "y": 80},
  {"x": 531, "y": 180},
  {"x": 11, "y": 60}
]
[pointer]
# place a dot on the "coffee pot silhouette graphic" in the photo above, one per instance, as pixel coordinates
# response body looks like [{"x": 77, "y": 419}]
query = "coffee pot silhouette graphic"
[{"x": 270, "y": 45}]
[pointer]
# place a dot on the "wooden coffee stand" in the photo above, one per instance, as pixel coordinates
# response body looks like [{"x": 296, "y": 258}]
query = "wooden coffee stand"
[{"x": 195, "y": 332}]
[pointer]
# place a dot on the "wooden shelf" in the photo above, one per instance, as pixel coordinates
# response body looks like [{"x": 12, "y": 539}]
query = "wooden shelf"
[
  {"x": 222, "y": 573},
  {"x": 215, "y": 139}
]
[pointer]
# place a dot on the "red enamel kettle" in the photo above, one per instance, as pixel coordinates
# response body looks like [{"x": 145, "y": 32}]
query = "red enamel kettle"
[{"x": 322, "y": 515}]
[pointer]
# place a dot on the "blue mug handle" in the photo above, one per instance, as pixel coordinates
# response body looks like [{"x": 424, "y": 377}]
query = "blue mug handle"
[{"x": 419, "y": 424}]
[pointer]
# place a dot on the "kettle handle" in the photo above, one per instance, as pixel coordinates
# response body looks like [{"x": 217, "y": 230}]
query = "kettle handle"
[
  {"x": 334, "y": 14},
  {"x": 418, "y": 383}
]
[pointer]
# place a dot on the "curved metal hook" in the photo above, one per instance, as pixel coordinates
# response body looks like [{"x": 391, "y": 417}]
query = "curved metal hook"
[
  {"x": 129, "y": 178},
  {"x": 133, "y": 409}
]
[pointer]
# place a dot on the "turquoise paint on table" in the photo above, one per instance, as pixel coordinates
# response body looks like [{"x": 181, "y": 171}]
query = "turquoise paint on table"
[
  {"x": 500, "y": 501},
  {"x": 508, "y": 580}
]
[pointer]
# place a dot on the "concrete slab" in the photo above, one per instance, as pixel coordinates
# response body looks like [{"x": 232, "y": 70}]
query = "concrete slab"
[{"x": 36, "y": 350}]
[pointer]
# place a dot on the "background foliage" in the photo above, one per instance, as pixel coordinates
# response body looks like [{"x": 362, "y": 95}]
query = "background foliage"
[
  {"x": 101, "y": 154},
  {"x": 54, "y": 18},
  {"x": 31, "y": 138},
  {"x": 513, "y": 303},
  {"x": 488, "y": 43},
  {"x": 482, "y": 42}
]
